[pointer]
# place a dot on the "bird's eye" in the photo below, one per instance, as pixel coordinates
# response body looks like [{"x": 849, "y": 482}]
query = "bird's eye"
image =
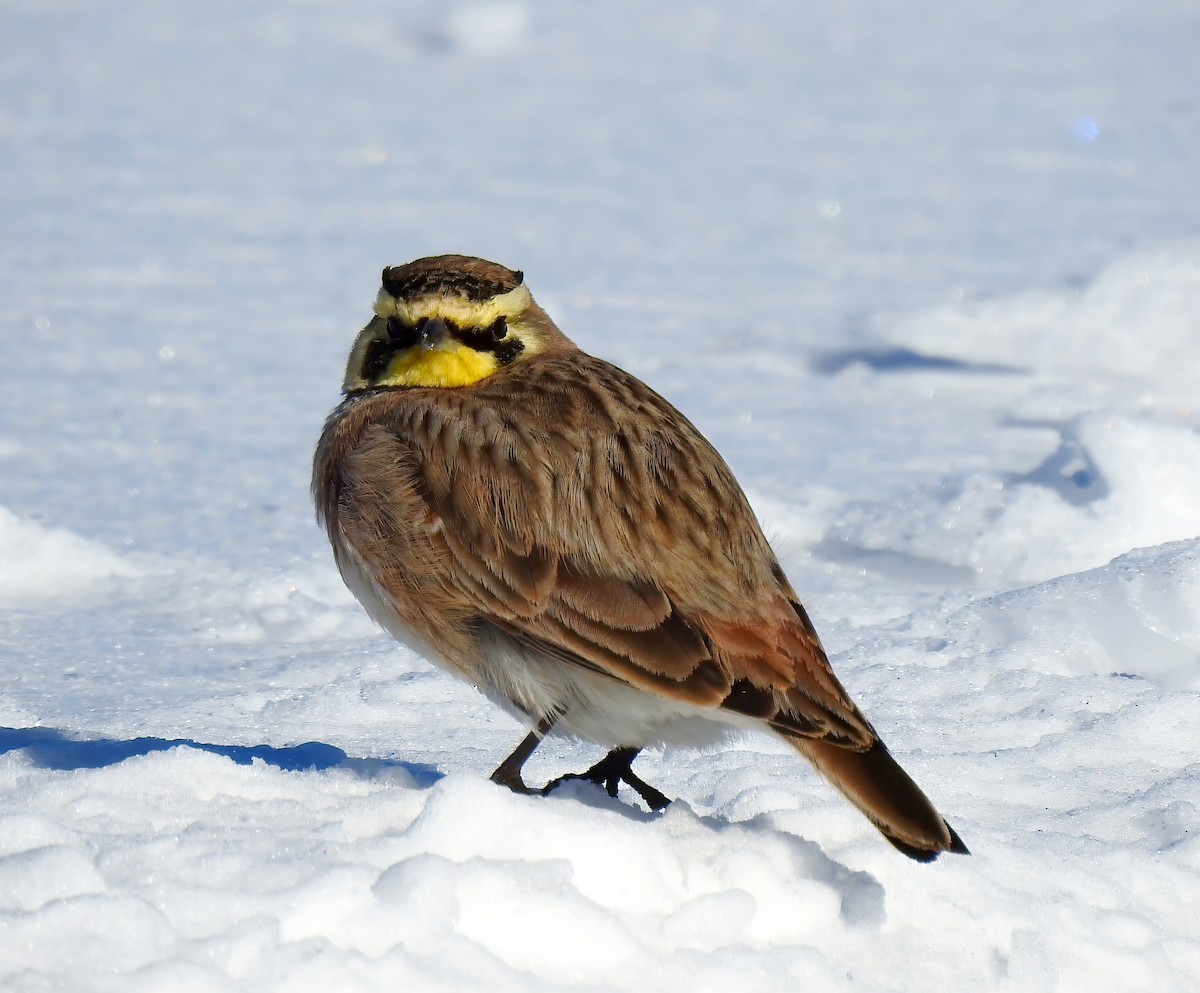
[
  {"x": 498, "y": 329},
  {"x": 404, "y": 335}
]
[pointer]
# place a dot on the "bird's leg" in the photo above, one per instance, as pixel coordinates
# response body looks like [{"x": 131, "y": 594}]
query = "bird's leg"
[
  {"x": 508, "y": 772},
  {"x": 615, "y": 768}
]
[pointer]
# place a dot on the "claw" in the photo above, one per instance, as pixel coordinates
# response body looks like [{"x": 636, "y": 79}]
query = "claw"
[
  {"x": 612, "y": 770},
  {"x": 512, "y": 779},
  {"x": 508, "y": 772}
]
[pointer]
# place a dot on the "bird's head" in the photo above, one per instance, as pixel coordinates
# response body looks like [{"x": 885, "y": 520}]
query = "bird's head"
[{"x": 447, "y": 321}]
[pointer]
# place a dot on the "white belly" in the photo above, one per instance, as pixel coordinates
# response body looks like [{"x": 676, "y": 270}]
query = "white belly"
[
  {"x": 593, "y": 706},
  {"x": 530, "y": 685}
]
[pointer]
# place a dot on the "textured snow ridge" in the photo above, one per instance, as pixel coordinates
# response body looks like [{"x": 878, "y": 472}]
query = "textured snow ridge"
[
  {"x": 1066, "y": 760},
  {"x": 183, "y": 869},
  {"x": 1133, "y": 322},
  {"x": 244, "y": 875},
  {"x": 1112, "y": 482},
  {"x": 38, "y": 562},
  {"x": 1081, "y": 404}
]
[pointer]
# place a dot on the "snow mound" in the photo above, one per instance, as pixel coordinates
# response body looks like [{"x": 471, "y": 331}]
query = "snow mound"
[
  {"x": 1112, "y": 483},
  {"x": 303, "y": 604},
  {"x": 213, "y": 875},
  {"x": 1137, "y": 618},
  {"x": 1135, "y": 322},
  {"x": 39, "y": 562},
  {"x": 277, "y": 879},
  {"x": 1066, "y": 421},
  {"x": 488, "y": 29}
]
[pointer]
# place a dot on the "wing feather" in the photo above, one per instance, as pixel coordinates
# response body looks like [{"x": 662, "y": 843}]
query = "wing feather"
[{"x": 579, "y": 510}]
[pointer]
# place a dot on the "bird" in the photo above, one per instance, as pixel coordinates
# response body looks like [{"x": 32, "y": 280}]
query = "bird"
[{"x": 542, "y": 524}]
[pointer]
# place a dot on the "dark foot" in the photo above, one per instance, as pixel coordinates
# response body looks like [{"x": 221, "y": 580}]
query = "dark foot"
[
  {"x": 512, "y": 779},
  {"x": 612, "y": 770},
  {"x": 508, "y": 772}
]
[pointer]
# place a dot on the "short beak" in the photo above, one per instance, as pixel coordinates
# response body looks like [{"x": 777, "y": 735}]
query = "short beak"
[{"x": 433, "y": 332}]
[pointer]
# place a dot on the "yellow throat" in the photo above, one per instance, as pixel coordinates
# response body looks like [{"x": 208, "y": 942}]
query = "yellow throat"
[
  {"x": 446, "y": 362},
  {"x": 450, "y": 363}
]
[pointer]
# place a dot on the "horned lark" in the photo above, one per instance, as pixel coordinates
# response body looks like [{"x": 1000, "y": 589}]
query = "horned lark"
[{"x": 547, "y": 527}]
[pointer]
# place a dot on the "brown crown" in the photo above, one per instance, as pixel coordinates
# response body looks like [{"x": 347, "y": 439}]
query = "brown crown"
[{"x": 460, "y": 275}]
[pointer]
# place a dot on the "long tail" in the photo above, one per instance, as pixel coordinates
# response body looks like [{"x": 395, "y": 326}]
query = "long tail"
[{"x": 874, "y": 782}]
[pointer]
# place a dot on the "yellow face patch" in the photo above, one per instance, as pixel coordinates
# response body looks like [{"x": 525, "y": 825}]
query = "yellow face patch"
[{"x": 451, "y": 364}]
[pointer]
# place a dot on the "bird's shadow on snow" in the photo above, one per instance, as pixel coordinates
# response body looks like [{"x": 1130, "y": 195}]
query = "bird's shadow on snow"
[
  {"x": 861, "y": 894},
  {"x": 50, "y": 748}
]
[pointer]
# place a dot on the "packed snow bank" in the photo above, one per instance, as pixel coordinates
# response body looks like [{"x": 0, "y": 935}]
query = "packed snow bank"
[
  {"x": 1112, "y": 483},
  {"x": 1052, "y": 725},
  {"x": 182, "y": 869},
  {"x": 39, "y": 562},
  {"x": 1137, "y": 618},
  {"x": 489, "y": 29},
  {"x": 1065, "y": 432},
  {"x": 1133, "y": 325}
]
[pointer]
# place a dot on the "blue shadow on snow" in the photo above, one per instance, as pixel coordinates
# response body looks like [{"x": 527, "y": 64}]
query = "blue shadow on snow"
[
  {"x": 51, "y": 749},
  {"x": 903, "y": 360}
]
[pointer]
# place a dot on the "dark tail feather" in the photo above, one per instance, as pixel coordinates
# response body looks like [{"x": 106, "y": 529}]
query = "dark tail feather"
[{"x": 874, "y": 782}]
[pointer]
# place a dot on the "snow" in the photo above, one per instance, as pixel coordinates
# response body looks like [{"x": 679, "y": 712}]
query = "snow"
[
  {"x": 927, "y": 276},
  {"x": 51, "y": 560}
]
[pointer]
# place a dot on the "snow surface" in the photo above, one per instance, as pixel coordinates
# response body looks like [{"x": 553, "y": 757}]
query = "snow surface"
[{"x": 927, "y": 274}]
